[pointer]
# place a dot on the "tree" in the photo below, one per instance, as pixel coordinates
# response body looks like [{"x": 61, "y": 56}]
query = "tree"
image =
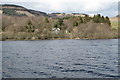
[
  {"x": 81, "y": 20},
  {"x": 58, "y": 23},
  {"x": 75, "y": 23},
  {"x": 107, "y": 20},
  {"x": 55, "y": 25},
  {"x": 98, "y": 18},
  {"x": 30, "y": 27},
  {"x": 46, "y": 20},
  {"x": 86, "y": 19},
  {"x": 102, "y": 19}
]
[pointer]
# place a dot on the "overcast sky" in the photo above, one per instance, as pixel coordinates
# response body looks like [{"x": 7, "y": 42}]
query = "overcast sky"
[{"x": 104, "y": 7}]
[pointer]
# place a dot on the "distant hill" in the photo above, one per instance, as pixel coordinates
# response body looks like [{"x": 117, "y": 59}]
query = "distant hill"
[
  {"x": 61, "y": 15},
  {"x": 16, "y": 10}
]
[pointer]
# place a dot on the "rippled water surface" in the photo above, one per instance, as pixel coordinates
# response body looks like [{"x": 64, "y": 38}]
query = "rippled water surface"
[
  {"x": 60, "y": 59},
  {"x": 0, "y": 60}
]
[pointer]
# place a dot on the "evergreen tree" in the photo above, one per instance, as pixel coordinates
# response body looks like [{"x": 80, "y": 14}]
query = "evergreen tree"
[
  {"x": 98, "y": 18},
  {"x": 86, "y": 19},
  {"x": 80, "y": 20},
  {"x": 107, "y": 20},
  {"x": 102, "y": 19}
]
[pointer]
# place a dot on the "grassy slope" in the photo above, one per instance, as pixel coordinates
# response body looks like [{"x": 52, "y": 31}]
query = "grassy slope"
[{"x": 114, "y": 22}]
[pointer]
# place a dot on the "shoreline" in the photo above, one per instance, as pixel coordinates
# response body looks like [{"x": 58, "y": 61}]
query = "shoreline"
[{"x": 60, "y": 39}]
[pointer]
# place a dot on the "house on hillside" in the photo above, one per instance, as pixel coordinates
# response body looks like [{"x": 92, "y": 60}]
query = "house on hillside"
[{"x": 56, "y": 29}]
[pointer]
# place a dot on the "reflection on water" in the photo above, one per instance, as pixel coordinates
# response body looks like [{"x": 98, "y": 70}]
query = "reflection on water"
[{"x": 60, "y": 59}]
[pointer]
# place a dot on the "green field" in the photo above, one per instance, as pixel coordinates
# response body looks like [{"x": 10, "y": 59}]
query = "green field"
[{"x": 114, "y": 25}]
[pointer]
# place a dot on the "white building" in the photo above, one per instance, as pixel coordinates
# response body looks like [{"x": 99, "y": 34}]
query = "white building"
[{"x": 56, "y": 29}]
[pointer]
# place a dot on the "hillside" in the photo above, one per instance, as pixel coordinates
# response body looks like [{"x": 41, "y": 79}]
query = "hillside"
[
  {"x": 62, "y": 15},
  {"x": 16, "y": 10},
  {"x": 114, "y": 22},
  {"x": 20, "y": 23}
]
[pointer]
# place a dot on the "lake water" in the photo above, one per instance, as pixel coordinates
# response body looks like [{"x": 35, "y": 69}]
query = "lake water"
[
  {"x": 0, "y": 60},
  {"x": 60, "y": 59}
]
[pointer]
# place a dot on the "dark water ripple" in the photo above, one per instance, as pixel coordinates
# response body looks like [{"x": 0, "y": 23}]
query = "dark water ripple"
[{"x": 60, "y": 59}]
